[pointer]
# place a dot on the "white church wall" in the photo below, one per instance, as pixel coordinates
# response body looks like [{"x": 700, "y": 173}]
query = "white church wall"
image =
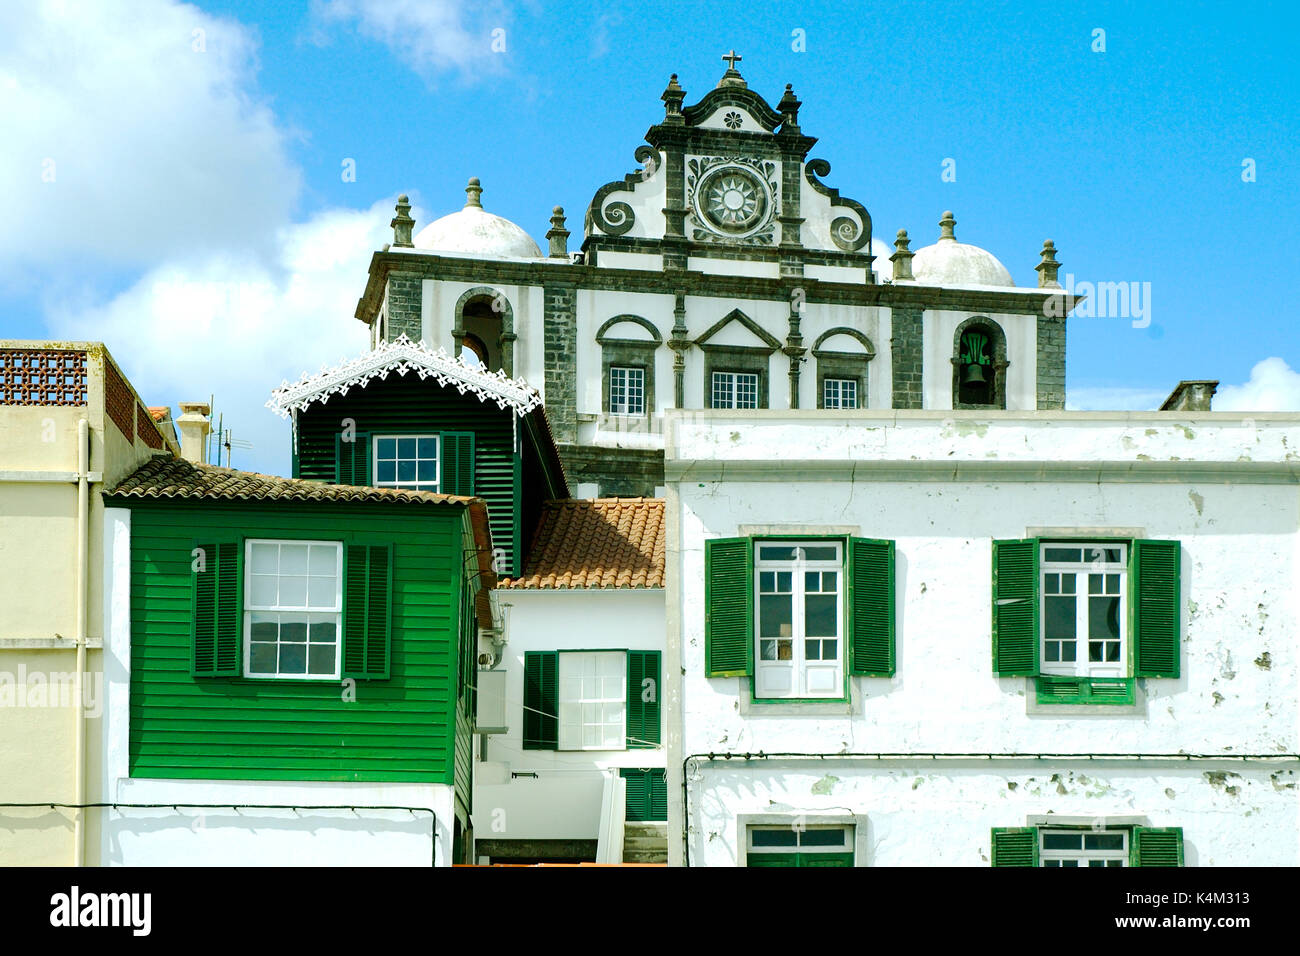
[
  {"x": 819, "y": 318},
  {"x": 735, "y": 267},
  {"x": 563, "y": 800},
  {"x": 1226, "y": 492},
  {"x": 854, "y": 275},
  {"x": 1021, "y": 332},
  {"x": 644, "y": 261}
]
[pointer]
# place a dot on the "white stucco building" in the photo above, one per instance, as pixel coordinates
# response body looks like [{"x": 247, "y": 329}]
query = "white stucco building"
[
  {"x": 1071, "y": 635},
  {"x": 571, "y": 756}
]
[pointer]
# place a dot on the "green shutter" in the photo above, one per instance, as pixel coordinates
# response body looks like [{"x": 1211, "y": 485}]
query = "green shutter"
[
  {"x": 456, "y": 462},
  {"x": 1015, "y": 607},
  {"x": 871, "y": 607},
  {"x": 367, "y": 611},
  {"x": 217, "y": 615},
  {"x": 647, "y": 794},
  {"x": 352, "y": 459},
  {"x": 1157, "y": 847},
  {"x": 1016, "y": 846},
  {"x": 729, "y": 607},
  {"x": 642, "y": 699},
  {"x": 1156, "y": 598},
  {"x": 541, "y": 700}
]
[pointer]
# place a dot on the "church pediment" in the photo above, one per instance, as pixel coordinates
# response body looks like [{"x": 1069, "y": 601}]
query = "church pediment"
[{"x": 737, "y": 330}]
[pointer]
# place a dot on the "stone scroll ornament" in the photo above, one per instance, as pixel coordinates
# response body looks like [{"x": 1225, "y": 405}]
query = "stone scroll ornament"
[
  {"x": 617, "y": 218},
  {"x": 848, "y": 235},
  {"x": 732, "y": 198}
]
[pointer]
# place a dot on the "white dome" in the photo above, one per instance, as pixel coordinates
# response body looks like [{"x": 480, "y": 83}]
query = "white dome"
[
  {"x": 476, "y": 232},
  {"x": 949, "y": 262}
]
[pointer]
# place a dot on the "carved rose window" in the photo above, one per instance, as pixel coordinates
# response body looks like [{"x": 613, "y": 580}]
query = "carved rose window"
[{"x": 733, "y": 200}]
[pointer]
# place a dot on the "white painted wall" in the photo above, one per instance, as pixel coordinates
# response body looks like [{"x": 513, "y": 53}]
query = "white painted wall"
[
  {"x": 563, "y": 801},
  {"x": 1226, "y": 490}
]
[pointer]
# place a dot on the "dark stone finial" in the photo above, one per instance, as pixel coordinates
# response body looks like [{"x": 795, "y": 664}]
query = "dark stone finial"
[
  {"x": 403, "y": 224},
  {"x": 789, "y": 108},
  {"x": 1048, "y": 267},
  {"x": 946, "y": 226},
  {"x": 672, "y": 97},
  {"x": 472, "y": 193},
  {"x": 902, "y": 257},
  {"x": 558, "y": 236}
]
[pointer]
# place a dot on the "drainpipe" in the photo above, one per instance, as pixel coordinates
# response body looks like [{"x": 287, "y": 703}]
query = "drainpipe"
[{"x": 79, "y": 748}]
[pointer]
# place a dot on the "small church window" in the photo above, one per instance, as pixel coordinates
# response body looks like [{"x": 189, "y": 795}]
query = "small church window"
[
  {"x": 626, "y": 391},
  {"x": 734, "y": 390},
  {"x": 839, "y": 393},
  {"x": 406, "y": 461},
  {"x": 473, "y": 351}
]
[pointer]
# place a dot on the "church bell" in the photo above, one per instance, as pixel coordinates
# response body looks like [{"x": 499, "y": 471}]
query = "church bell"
[{"x": 973, "y": 375}]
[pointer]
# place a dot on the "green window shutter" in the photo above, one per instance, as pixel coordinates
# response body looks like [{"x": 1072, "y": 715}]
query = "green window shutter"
[
  {"x": 728, "y": 607},
  {"x": 642, "y": 699},
  {"x": 871, "y": 607},
  {"x": 367, "y": 611},
  {"x": 1156, "y": 598},
  {"x": 1157, "y": 847},
  {"x": 216, "y": 645},
  {"x": 541, "y": 700},
  {"x": 456, "y": 464},
  {"x": 1015, "y": 846},
  {"x": 1015, "y": 607},
  {"x": 352, "y": 459}
]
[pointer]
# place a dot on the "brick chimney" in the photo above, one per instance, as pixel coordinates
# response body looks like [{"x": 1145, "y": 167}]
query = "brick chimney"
[{"x": 194, "y": 426}]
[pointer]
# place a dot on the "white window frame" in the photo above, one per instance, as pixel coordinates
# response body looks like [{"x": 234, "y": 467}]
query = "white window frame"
[
  {"x": 1082, "y": 666},
  {"x": 733, "y": 378},
  {"x": 250, "y": 609},
  {"x": 607, "y": 702},
  {"x": 434, "y": 485},
  {"x": 1081, "y": 857},
  {"x": 632, "y": 376},
  {"x": 839, "y": 383},
  {"x": 799, "y": 669}
]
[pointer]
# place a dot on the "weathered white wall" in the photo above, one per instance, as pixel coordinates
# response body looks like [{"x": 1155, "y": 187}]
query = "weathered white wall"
[
  {"x": 1237, "y": 518},
  {"x": 928, "y": 813},
  {"x": 563, "y": 802}
]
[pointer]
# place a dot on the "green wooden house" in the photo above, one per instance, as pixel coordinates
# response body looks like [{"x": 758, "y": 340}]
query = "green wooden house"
[
  {"x": 285, "y": 632},
  {"x": 402, "y": 415}
]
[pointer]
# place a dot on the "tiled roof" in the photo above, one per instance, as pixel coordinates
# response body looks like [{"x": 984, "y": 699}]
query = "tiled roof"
[
  {"x": 165, "y": 477},
  {"x": 606, "y": 543},
  {"x": 159, "y": 412}
]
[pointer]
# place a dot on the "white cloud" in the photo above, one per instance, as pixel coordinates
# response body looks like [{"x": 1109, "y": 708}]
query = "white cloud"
[
  {"x": 239, "y": 326},
  {"x": 1114, "y": 398},
  {"x": 1273, "y": 387},
  {"x": 429, "y": 36},
  {"x": 146, "y": 115}
]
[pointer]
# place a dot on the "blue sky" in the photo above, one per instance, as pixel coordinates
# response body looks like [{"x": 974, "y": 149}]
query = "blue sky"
[{"x": 200, "y": 225}]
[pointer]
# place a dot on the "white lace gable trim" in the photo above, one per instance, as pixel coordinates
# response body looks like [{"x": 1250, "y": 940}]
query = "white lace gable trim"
[{"x": 402, "y": 356}]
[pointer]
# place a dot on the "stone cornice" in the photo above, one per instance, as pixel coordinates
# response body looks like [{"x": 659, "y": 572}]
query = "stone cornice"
[
  {"x": 1091, "y": 472},
  {"x": 552, "y": 272}
]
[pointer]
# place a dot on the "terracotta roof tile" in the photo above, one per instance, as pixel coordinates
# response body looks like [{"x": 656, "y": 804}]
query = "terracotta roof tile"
[
  {"x": 159, "y": 412},
  {"x": 165, "y": 477},
  {"x": 605, "y": 543}
]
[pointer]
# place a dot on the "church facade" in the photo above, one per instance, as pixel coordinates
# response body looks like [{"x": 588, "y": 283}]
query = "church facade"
[{"x": 723, "y": 273}]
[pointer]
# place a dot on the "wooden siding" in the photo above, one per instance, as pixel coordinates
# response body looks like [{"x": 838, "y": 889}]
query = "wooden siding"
[
  {"x": 399, "y": 729},
  {"x": 408, "y": 405}
]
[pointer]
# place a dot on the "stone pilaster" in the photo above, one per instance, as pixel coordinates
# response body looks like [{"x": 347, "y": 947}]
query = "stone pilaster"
[
  {"x": 560, "y": 361},
  {"x": 906, "y": 356},
  {"x": 1050, "y": 374},
  {"x": 405, "y": 297},
  {"x": 679, "y": 343}
]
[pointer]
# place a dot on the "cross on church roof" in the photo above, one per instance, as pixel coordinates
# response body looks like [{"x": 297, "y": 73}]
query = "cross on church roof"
[{"x": 731, "y": 59}]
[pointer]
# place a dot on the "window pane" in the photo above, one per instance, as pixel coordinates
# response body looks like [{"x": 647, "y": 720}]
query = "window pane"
[
  {"x": 293, "y": 559},
  {"x": 293, "y": 590},
  {"x": 427, "y": 448},
  {"x": 1060, "y": 618},
  {"x": 1103, "y": 619},
  {"x": 320, "y": 659},
  {"x": 426, "y": 470},
  {"x": 1062, "y": 841},
  {"x": 386, "y": 448},
  {"x": 264, "y": 590},
  {"x": 386, "y": 471},
  {"x": 773, "y": 838},
  {"x": 820, "y": 619},
  {"x": 406, "y": 447},
  {"x": 405, "y": 470},
  {"x": 324, "y": 559},
  {"x": 1103, "y": 841},
  {"x": 262, "y": 658},
  {"x": 323, "y": 629},
  {"x": 265, "y": 626},
  {"x": 776, "y": 615},
  {"x": 263, "y": 558},
  {"x": 820, "y": 553},
  {"x": 1063, "y": 554},
  {"x": 292, "y": 629},
  {"x": 293, "y": 658},
  {"x": 822, "y": 837},
  {"x": 770, "y": 552}
]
